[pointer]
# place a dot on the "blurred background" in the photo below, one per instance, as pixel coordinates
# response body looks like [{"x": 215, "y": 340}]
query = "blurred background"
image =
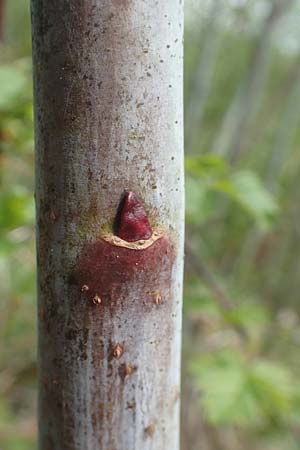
[{"x": 241, "y": 339}]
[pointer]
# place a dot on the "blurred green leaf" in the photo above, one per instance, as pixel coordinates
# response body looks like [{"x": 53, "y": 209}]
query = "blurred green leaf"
[
  {"x": 237, "y": 391},
  {"x": 16, "y": 208},
  {"x": 248, "y": 315},
  {"x": 225, "y": 396},
  {"x": 243, "y": 187},
  {"x": 250, "y": 193},
  {"x": 206, "y": 166},
  {"x": 12, "y": 83},
  {"x": 198, "y": 298},
  {"x": 200, "y": 201}
]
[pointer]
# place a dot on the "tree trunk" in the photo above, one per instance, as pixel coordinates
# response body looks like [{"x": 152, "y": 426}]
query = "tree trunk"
[{"x": 108, "y": 119}]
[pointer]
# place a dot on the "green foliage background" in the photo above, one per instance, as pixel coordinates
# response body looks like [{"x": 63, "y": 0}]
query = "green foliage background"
[{"x": 241, "y": 342}]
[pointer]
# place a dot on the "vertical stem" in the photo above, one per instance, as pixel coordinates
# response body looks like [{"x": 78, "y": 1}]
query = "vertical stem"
[
  {"x": 234, "y": 135},
  {"x": 108, "y": 118},
  {"x": 2, "y": 19},
  {"x": 284, "y": 134},
  {"x": 202, "y": 81}
]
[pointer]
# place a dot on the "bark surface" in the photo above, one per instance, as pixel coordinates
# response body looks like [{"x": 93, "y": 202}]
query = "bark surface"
[{"x": 108, "y": 118}]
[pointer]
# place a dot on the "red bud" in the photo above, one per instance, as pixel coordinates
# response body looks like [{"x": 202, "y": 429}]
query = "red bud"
[{"x": 133, "y": 223}]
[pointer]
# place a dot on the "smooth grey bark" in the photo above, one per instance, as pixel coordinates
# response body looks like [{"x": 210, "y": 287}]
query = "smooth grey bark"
[{"x": 108, "y": 117}]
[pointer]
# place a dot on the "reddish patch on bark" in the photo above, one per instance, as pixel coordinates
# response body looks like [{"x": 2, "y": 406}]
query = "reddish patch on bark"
[
  {"x": 132, "y": 223},
  {"x": 106, "y": 268}
]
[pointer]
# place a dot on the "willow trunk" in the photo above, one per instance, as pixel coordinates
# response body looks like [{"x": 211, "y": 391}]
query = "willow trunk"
[{"x": 108, "y": 120}]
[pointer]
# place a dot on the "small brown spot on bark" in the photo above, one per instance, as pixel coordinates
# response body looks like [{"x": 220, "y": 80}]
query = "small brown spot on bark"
[
  {"x": 97, "y": 300},
  {"x": 53, "y": 216},
  {"x": 131, "y": 405},
  {"x": 150, "y": 430},
  {"x": 118, "y": 351},
  {"x": 157, "y": 298},
  {"x": 127, "y": 370}
]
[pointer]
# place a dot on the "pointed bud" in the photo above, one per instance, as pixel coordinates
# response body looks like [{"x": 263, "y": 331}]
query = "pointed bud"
[{"x": 133, "y": 224}]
